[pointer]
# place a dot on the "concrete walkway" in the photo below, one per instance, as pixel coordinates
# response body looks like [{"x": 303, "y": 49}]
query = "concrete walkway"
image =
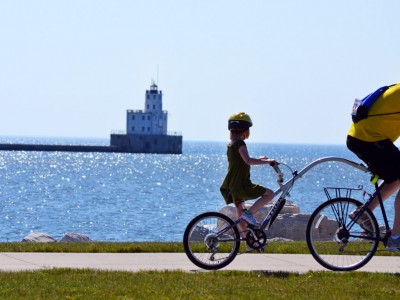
[{"x": 133, "y": 262}]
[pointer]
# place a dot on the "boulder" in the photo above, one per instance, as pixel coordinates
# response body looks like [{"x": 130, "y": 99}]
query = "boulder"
[
  {"x": 39, "y": 237},
  {"x": 74, "y": 237},
  {"x": 289, "y": 226},
  {"x": 326, "y": 229}
]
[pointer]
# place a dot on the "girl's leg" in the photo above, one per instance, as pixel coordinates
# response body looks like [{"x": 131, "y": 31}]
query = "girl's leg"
[
  {"x": 242, "y": 225},
  {"x": 262, "y": 201}
]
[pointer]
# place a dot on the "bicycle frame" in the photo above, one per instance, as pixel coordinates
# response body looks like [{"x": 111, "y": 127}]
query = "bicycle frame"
[
  {"x": 285, "y": 187},
  {"x": 207, "y": 231},
  {"x": 383, "y": 211}
]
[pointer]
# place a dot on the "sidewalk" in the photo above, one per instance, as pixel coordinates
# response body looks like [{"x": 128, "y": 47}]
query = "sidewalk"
[{"x": 133, "y": 262}]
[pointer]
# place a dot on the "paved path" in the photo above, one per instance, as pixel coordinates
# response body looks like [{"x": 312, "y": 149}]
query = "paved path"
[{"x": 298, "y": 263}]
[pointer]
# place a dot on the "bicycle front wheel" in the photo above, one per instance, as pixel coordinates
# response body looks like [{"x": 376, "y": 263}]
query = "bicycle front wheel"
[
  {"x": 211, "y": 241},
  {"x": 337, "y": 242}
]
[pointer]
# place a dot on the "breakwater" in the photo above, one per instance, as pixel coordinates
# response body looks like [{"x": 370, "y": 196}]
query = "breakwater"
[
  {"x": 63, "y": 148},
  {"x": 119, "y": 143}
]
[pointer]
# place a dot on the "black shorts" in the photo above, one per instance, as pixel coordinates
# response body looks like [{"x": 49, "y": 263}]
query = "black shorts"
[{"x": 382, "y": 157}]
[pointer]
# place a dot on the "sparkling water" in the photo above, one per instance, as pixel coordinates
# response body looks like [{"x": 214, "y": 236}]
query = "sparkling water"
[{"x": 145, "y": 197}]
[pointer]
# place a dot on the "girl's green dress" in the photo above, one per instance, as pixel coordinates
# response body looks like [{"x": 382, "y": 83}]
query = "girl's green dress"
[{"x": 237, "y": 185}]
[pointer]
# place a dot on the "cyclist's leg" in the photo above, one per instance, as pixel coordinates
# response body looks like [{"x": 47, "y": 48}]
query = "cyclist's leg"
[
  {"x": 382, "y": 158},
  {"x": 387, "y": 189},
  {"x": 389, "y": 171},
  {"x": 396, "y": 222}
]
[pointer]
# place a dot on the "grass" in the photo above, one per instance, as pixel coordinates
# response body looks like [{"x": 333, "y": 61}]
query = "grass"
[
  {"x": 91, "y": 284},
  {"x": 93, "y": 247},
  {"x": 292, "y": 247},
  {"x": 299, "y": 247},
  {"x": 137, "y": 247},
  {"x": 95, "y": 284}
]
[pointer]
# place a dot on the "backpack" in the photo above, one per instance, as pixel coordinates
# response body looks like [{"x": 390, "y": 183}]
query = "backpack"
[{"x": 361, "y": 107}]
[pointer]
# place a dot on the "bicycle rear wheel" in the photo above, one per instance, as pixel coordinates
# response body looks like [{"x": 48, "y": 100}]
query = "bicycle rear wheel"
[
  {"x": 335, "y": 241},
  {"x": 211, "y": 241}
]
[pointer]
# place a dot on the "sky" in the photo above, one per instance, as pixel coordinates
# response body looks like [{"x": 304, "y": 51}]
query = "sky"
[{"x": 71, "y": 68}]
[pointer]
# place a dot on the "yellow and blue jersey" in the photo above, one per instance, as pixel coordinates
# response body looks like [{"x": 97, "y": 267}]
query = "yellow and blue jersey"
[{"x": 383, "y": 120}]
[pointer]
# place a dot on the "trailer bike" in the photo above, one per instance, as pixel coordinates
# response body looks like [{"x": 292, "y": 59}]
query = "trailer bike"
[{"x": 211, "y": 240}]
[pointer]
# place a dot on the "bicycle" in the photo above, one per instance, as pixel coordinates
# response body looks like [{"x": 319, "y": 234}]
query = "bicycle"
[
  {"x": 333, "y": 236},
  {"x": 212, "y": 240}
]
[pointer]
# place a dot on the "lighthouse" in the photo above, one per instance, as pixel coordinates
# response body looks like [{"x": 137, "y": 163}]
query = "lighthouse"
[
  {"x": 153, "y": 119},
  {"x": 146, "y": 130}
]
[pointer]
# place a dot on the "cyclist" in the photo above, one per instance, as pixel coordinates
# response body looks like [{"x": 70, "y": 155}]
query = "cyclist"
[
  {"x": 237, "y": 186},
  {"x": 372, "y": 140}
]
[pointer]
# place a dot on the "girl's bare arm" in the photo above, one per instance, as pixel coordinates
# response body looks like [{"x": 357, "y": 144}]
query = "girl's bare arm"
[{"x": 254, "y": 161}]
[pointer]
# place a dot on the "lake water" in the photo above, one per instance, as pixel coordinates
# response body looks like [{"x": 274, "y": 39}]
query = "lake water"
[{"x": 144, "y": 197}]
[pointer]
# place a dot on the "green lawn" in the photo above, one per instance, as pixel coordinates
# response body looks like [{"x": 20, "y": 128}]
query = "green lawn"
[
  {"x": 91, "y": 284},
  {"x": 94, "y": 284},
  {"x": 296, "y": 247}
]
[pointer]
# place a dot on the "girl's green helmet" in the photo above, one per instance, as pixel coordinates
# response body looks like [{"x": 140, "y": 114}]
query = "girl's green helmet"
[{"x": 239, "y": 122}]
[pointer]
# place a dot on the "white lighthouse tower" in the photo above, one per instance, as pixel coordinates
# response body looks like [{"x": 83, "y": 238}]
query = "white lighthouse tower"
[
  {"x": 146, "y": 130},
  {"x": 153, "y": 120}
]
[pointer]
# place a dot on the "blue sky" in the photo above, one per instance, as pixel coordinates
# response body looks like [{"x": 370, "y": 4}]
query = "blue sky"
[{"x": 72, "y": 68}]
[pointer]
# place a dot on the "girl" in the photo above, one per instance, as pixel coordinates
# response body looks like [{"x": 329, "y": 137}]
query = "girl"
[{"x": 237, "y": 186}]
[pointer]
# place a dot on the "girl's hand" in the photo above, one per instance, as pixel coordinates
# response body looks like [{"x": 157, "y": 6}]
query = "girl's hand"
[{"x": 266, "y": 160}]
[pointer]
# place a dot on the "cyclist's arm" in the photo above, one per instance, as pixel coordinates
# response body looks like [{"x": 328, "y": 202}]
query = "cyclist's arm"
[{"x": 254, "y": 161}]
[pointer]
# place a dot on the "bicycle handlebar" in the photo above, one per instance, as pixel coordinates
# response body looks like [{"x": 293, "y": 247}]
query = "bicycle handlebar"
[{"x": 279, "y": 172}]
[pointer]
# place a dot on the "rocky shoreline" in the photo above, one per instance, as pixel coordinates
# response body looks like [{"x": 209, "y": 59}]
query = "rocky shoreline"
[
  {"x": 40, "y": 237},
  {"x": 290, "y": 224}
]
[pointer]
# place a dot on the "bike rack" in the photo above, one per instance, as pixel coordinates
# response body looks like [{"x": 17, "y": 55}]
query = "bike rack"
[{"x": 340, "y": 192}]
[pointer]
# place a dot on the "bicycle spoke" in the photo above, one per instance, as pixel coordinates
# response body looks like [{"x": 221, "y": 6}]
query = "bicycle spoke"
[
  {"x": 340, "y": 210},
  {"x": 211, "y": 240},
  {"x": 335, "y": 245}
]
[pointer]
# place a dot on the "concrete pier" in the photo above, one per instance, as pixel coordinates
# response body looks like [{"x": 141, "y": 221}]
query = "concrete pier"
[{"x": 64, "y": 148}]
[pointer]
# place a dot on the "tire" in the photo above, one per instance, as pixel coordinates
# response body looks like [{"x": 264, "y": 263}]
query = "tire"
[
  {"x": 335, "y": 241},
  {"x": 206, "y": 246}
]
